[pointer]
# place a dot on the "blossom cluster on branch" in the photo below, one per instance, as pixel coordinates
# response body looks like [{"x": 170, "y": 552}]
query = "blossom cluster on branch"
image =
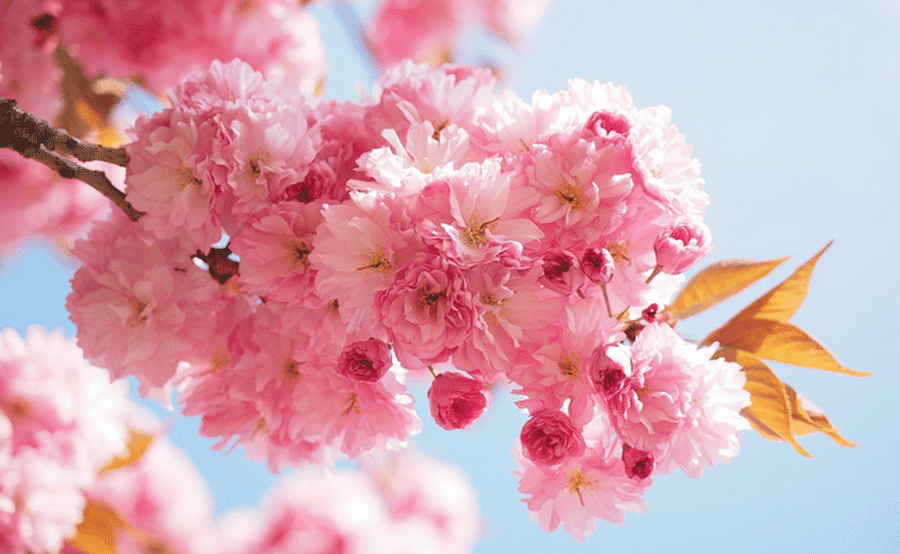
[
  {"x": 290, "y": 249},
  {"x": 69, "y": 485}
]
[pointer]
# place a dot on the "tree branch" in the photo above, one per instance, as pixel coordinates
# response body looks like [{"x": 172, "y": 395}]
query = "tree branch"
[
  {"x": 34, "y": 138},
  {"x": 20, "y": 124},
  {"x": 68, "y": 169}
]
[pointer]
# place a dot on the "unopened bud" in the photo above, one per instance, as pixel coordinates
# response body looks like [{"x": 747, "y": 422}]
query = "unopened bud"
[{"x": 598, "y": 265}]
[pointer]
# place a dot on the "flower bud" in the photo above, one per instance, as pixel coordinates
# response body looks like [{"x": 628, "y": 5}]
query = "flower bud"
[
  {"x": 610, "y": 368},
  {"x": 597, "y": 265},
  {"x": 561, "y": 272},
  {"x": 638, "y": 463},
  {"x": 550, "y": 437},
  {"x": 456, "y": 401},
  {"x": 365, "y": 360},
  {"x": 681, "y": 245},
  {"x": 606, "y": 123}
]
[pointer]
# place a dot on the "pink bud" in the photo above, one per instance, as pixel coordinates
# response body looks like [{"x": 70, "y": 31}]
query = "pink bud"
[
  {"x": 597, "y": 264},
  {"x": 456, "y": 401},
  {"x": 365, "y": 360},
  {"x": 638, "y": 463},
  {"x": 680, "y": 246},
  {"x": 650, "y": 312},
  {"x": 605, "y": 123},
  {"x": 610, "y": 368},
  {"x": 550, "y": 437},
  {"x": 561, "y": 272}
]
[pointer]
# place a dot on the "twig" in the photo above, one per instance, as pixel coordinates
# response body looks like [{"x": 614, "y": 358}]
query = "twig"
[
  {"x": 19, "y": 123},
  {"x": 67, "y": 169},
  {"x": 34, "y": 138}
]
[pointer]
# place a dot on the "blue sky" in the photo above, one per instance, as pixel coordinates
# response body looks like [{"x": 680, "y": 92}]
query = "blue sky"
[{"x": 794, "y": 110}]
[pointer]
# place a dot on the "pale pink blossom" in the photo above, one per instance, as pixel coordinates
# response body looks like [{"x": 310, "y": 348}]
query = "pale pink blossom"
[
  {"x": 164, "y": 496},
  {"x": 61, "y": 420},
  {"x": 579, "y": 491},
  {"x": 457, "y": 401},
  {"x": 714, "y": 434},
  {"x": 432, "y": 504}
]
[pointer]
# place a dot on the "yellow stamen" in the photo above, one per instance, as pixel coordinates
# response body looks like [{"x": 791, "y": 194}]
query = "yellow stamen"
[
  {"x": 569, "y": 365},
  {"x": 578, "y": 481}
]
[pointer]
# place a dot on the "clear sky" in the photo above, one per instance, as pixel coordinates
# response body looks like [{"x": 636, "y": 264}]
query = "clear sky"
[{"x": 794, "y": 110}]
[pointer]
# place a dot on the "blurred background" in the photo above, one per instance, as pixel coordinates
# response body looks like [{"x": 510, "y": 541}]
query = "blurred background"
[{"x": 794, "y": 110}]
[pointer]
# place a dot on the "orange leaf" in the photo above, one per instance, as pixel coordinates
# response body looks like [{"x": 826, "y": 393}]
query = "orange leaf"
[
  {"x": 769, "y": 411},
  {"x": 138, "y": 443},
  {"x": 782, "y": 302},
  {"x": 717, "y": 282},
  {"x": 96, "y": 534},
  {"x": 778, "y": 341},
  {"x": 814, "y": 420}
]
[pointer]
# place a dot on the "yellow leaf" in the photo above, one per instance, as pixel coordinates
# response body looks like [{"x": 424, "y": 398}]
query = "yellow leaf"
[
  {"x": 813, "y": 420},
  {"x": 782, "y": 302},
  {"x": 717, "y": 282},
  {"x": 138, "y": 443},
  {"x": 769, "y": 411},
  {"x": 96, "y": 534},
  {"x": 778, "y": 341}
]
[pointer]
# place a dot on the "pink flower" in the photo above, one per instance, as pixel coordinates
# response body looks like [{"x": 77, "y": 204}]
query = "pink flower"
[
  {"x": 610, "y": 369},
  {"x": 562, "y": 273},
  {"x": 597, "y": 265},
  {"x": 61, "y": 420},
  {"x": 431, "y": 503},
  {"x": 456, "y": 401},
  {"x": 656, "y": 401},
  {"x": 681, "y": 246},
  {"x": 428, "y": 311},
  {"x": 365, "y": 360},
  {"x": 579, "y": 491},
  {"x": 638, "y": 463},
  {"x": 549, "y": 437}
]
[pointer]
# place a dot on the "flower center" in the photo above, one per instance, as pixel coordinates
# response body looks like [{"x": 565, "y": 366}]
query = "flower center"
[
  {"x": 577, "y": 482},
  {"x": 568, "y": 365},
  {"x": 289, "y": 370},
  {"x": 353, "y": 404},
  {"x": 570, "y": 195},
  {"x": 378, "y": 262}
]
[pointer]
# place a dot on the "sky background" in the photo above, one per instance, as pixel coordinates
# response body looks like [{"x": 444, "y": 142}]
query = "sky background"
[{"x": 794, "y": 110}]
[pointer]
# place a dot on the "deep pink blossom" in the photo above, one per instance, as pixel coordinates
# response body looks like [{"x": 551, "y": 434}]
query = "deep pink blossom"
[
  {"x": 365, "y": 360},
  {"x": 549, "y": 437},
  {"x": 457, "y": 401},
  {"x": 638, "y": 463}
]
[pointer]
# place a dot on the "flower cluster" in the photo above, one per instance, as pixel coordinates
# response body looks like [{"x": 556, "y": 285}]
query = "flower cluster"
[
  {"x": 60, "y": 421},
  {"x": 409, "y": 504},
  {"x": 289, "y": 250}
]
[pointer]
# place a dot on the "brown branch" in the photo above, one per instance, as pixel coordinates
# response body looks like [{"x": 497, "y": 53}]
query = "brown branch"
[
  {"x": 16, "y": 121},
  {"x": 34, "y": 138},
  {"x": 67, "y": 169}
]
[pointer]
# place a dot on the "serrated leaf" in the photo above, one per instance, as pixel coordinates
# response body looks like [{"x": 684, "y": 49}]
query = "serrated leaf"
[
  {"x": 717, "y": 282},
  {"x": 96, "y": 534},
  {"x": 769, "y": 411},
  {"x": 778, "y": 341},
  {"x": 783, "y": 301},
  {"x": 813, "y": 420},
  {"x": 138, "y": 443}
]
